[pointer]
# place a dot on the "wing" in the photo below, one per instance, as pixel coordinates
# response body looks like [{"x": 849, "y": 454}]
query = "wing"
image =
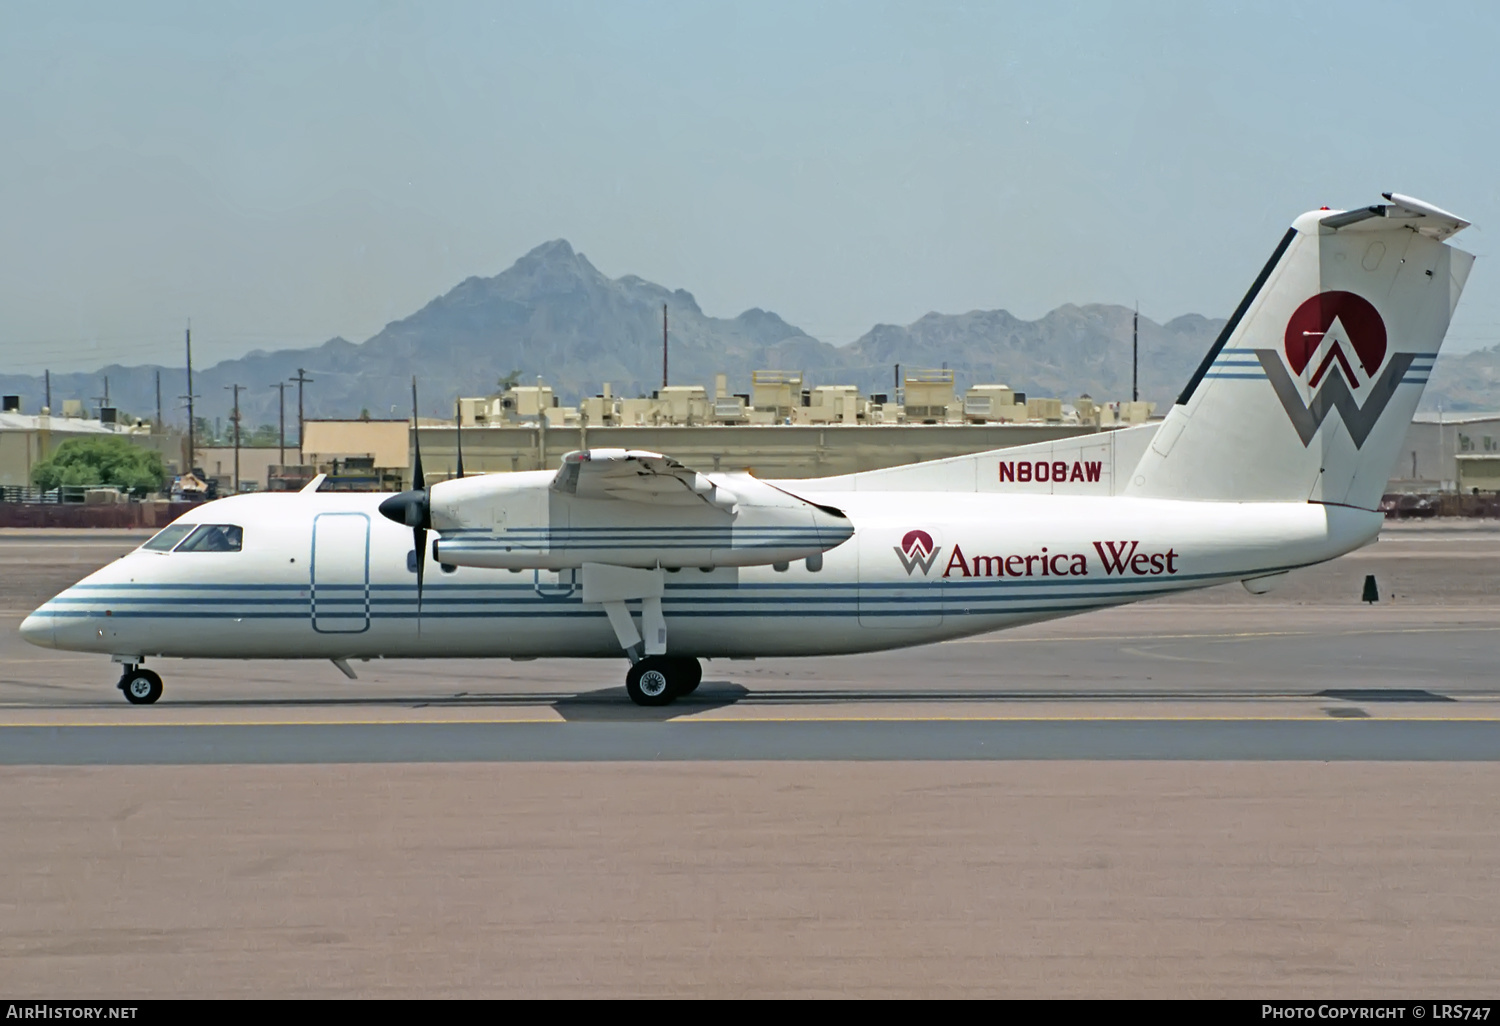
[
  {"x": 627, "y": 508},
  {"x": 633, "y": 475}
]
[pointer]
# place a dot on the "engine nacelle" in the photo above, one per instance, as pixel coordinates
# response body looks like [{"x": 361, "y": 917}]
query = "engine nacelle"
[{"x": 626, "y": 509}]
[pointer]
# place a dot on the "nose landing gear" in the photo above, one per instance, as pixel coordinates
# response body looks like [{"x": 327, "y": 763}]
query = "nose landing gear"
[
  {"x": 659, "y": 680},
  {"x": 139, "y": 685}
]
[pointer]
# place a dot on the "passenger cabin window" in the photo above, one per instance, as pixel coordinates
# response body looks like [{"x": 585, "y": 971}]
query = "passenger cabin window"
[
  {"x": 167, "y": 537},
  {"x": 213, "y": 538}
]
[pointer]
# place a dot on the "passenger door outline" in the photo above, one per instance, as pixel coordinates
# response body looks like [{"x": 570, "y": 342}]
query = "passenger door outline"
[{"x": 344, "y": 592}]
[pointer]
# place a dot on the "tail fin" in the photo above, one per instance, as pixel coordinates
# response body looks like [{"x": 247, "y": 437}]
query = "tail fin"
[{"x": 1308, "y": 392}]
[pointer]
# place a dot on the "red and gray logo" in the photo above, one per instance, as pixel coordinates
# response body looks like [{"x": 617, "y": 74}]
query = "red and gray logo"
[
  {"x": 916, "y": 550},
  {"x": 1336, "y": 345}
]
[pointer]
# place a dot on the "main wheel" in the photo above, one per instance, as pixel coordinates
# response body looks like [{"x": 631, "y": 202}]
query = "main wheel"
[
  {"x": 650, "y": 681},
  {"x": 141, "y": 687},
  {"x": 689, "y": 675}
]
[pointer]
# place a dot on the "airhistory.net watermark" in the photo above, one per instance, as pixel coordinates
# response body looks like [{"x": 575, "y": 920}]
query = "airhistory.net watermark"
[{"x": 67, "y": 1010}]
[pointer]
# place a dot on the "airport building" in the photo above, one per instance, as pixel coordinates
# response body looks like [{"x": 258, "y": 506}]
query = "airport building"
[
  {"x": 783, "y": 398},
  {"x": 1441, "y": 448},
  {"x": 357, "y": 455},
  {"x": 780, "y": 428},
  {"x": 796, "y": 451},
  {"x": 242, "y": 470}
]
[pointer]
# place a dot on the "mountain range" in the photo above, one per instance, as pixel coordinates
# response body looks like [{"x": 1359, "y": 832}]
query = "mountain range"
[{"x": 554, "y": 315}]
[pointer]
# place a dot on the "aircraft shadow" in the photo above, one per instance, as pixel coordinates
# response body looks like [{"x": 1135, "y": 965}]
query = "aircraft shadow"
[
  {"x": 612, "y": 705},
  {"x": 1384, "y": 695}
]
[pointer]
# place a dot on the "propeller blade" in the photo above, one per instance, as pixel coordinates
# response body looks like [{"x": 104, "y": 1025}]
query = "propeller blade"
[
  {"x": 458, "y": 423},
  {"x": 418, "y": 481},
  {"x": 419, "y": 538},
  {"x": 414, "y": 506}
]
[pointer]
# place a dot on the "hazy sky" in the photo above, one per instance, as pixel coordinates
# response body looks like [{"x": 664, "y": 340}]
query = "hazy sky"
[{"x": 283, "y": 173}]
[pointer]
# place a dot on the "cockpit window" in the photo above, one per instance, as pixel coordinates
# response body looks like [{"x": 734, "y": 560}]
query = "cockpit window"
[
  {"x": 167, "y": 537},
  {"x": 213, "y": 538}
]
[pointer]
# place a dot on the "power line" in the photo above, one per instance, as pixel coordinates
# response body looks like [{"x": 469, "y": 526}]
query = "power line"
[
  {"x": 301, "y": 379},
  {"x": 192, "y": 427},
  {"x": 280, "y": 386},
  {"x": 235, "y": 418}
]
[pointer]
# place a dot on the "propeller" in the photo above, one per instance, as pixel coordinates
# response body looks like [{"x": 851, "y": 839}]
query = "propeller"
[
  {"x": 413, "y": 507},
  {"x": 458, "y": 427}
]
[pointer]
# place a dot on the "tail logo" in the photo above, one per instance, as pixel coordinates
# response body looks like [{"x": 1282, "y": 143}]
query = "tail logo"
[
  {"x": 916, "y": 550},
  {"x": 1336, "y": 345},
  {"x": 1324, "y": 325}
]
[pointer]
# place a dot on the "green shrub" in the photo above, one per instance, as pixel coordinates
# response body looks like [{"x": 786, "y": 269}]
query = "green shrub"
[{"x": 110, "y": 460}]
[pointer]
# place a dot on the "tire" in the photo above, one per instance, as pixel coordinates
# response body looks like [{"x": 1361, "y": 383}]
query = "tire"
[
  {"x": 690, "y": 675},
  {"x": 651, "y": 682},
  {"x": 141, "y": 687}
]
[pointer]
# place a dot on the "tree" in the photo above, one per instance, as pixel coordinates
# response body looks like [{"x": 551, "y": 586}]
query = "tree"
[
  {"x": 110, "y": 460},
  {"x": 509, "y": 381},
  {"x": 266, "y": 435}
]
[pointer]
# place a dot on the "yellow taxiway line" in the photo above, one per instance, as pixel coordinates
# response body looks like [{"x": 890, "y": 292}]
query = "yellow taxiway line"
[{"x": 1234, "y": 636}]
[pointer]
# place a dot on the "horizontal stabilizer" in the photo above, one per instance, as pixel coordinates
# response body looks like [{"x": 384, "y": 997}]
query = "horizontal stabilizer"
[{"x": 1402, "y": 211}]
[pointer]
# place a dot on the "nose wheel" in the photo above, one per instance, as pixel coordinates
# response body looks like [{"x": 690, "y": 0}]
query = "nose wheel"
[
  {"x": 140, "y": 686},
  {"x": 659, "y": 680}
]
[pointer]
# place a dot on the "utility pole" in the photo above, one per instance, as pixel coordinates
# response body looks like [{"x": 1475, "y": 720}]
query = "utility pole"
[
  {"x": 301, "y": 379},
  {"x": 48, "y": 379},
  {"x": 1135, "y": 342},
  {"x": 106, "y": 390},
  {"x": 192, "y": 427},
  {"x": 664, "y": 345},
  {"x": 236, "y": 419},
  {"x": 280, "y": 386},
  {"x": 158, "y": 403}
]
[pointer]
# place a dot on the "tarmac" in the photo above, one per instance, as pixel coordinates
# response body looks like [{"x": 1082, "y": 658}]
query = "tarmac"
[{"x": 1216, "y": 794}]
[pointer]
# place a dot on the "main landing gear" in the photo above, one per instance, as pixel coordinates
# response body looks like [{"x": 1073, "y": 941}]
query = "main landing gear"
[
  {"x": 655, "y": 678},
  {"x": 658, "y": 680},
  {"x": 139, "y": 685}
]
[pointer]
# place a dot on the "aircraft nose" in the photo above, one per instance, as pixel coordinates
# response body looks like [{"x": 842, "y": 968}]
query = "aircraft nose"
[{"x": 38, "y": 629}]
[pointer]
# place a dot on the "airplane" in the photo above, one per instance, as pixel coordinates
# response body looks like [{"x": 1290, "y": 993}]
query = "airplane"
[{"x": 1273, "y": 457}]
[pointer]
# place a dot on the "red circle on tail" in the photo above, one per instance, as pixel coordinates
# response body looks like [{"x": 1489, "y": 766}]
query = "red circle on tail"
[{"x": 1361, "y": 321}]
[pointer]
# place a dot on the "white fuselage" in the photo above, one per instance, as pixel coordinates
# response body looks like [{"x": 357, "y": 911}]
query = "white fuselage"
[{"x": 326, "y": 576}]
